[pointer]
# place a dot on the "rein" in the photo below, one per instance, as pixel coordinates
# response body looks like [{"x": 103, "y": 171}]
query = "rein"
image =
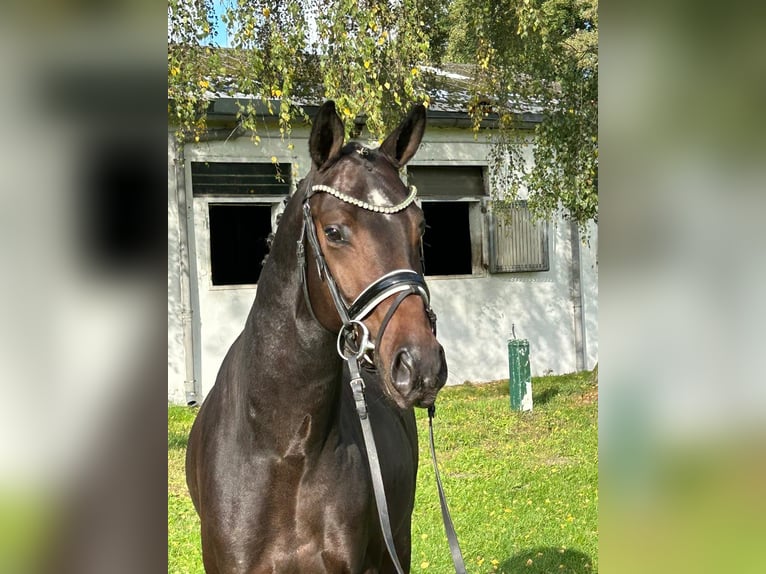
[{"x": 354, "y": 345}]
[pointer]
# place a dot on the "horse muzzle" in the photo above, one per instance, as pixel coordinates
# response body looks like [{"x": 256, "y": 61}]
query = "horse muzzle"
[{"x": 417, "y": 375}]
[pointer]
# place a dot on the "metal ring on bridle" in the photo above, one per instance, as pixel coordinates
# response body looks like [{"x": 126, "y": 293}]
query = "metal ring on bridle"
[{"x": 347, "y": 337}]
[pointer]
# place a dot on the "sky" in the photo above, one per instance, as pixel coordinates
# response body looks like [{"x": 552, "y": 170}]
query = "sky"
[{"x": 221, "y": 37}]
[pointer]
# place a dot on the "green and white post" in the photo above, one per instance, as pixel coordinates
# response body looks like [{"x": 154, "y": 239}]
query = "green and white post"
[{"x": 520, "y": 381}]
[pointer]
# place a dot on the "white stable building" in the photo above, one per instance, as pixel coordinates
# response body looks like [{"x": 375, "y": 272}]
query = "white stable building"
[{"x": 486, "y": 275}]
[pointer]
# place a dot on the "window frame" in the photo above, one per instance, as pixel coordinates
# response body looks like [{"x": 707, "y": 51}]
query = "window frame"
[
  {"x": 200, "y": 204},
  {"x": 275, "y": 202},
  {"x": 477, "y": 223}
]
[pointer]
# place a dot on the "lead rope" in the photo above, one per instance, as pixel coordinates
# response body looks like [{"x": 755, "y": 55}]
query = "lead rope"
[
  {"x": 449, "y": 528},
  {"x": 357, "y": 389}
]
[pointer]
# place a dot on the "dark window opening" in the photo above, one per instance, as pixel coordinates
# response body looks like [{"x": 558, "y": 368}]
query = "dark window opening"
[
  {"x": 447, "y": 241},
  {"x": 238, "y": 236}
]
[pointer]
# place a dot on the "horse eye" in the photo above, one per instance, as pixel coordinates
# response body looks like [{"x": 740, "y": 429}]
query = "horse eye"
[{"x": 334, "y": 233}]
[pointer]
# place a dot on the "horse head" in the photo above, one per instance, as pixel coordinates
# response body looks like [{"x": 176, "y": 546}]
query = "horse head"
[{"x": 365, "y": 232}]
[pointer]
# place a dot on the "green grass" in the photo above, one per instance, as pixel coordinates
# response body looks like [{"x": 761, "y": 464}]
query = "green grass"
[{"x": 522, "y": 487}]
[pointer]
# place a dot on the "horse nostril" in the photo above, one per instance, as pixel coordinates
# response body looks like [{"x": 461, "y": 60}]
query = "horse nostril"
[{"x": 402, "y": 370}]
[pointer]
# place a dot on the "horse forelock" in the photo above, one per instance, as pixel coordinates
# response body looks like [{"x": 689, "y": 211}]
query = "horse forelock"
[{"x": 364, "y": 173}]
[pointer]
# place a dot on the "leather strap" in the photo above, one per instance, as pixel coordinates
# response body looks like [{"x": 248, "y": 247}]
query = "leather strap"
[
  {"x": 389, "y": 284},
  {"x": 390, "y": 313},
  {"x": 357, "y": 388},
  {"x": 302, "y": 273},
  {"x": 449, "y": 528},
  {"x": 324, "y": 271}
]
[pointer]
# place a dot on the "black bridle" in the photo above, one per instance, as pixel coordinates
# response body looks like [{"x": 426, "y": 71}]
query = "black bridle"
[
  {"x": 404, "y": 282},
  {"x": 354, "y": 345}
]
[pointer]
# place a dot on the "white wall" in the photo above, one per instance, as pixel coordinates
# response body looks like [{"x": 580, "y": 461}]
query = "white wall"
[
  {"x": 476, "y": 316},
  {"x": 475, "y": 313},
  {"x": 223, "y": 309},
  {"x": 589, "y": 274},
  {"x": 176, "y": 355}
]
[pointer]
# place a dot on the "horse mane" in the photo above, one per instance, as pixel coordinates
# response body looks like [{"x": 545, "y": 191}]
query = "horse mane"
[{"x": 270, "y": 236}]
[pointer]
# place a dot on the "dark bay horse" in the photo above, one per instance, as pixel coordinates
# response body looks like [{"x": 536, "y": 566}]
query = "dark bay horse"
[{"x": 276, "y": 465}]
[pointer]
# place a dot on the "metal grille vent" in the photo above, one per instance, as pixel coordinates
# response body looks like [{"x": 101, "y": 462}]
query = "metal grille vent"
[
  {"x": 240, "y": 179},
  {"x": 447, "y": 181},
  {"x": 518, "y": 242}
]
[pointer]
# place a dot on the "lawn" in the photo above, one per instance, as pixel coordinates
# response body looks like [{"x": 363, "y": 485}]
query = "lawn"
[{"x": 522, "y": 487}]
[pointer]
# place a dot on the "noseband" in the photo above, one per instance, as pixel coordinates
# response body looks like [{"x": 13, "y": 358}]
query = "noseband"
[{"x": 354, "y": 335}]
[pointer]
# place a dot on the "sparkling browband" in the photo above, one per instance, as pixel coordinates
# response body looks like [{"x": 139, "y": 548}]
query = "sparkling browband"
[{"x": 368, "y": 206}]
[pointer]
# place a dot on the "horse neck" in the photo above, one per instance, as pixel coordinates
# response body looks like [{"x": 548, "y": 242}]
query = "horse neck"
[{"x": 296, "y": 371}]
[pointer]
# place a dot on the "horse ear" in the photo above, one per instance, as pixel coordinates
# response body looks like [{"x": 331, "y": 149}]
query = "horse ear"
[
  {"x": 404, "y": 141},
  {"x": 326, "y": 139}
]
